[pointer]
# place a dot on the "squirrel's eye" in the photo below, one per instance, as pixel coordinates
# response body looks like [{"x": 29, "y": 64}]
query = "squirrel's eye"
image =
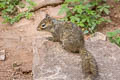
[{"x": 43, "y": 25}]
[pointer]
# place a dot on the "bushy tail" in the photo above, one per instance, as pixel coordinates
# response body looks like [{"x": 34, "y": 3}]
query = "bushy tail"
[{"x": 89, "y": 65}]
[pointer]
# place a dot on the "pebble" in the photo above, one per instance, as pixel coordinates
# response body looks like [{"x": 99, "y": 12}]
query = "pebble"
[
  {"x": 2, "y": 55},
  {"x": 97, "y": 36}
]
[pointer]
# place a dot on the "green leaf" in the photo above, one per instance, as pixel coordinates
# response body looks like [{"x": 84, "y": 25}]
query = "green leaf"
[
  {"x": 111, "y": 34},
  {"x": 81, "y": 24},
  {"x": 22, "y": 5},
  {"x": 28, "y": 15},
  {"x": 117, "y": 31},
  {"x": 106, "y": 11},
  {"x": 63, "y": 9},
  {"x": 117, "y": 41}
]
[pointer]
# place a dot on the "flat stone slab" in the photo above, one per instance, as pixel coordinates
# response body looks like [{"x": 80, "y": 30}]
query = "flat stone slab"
[{"x": 52, "y": 62}]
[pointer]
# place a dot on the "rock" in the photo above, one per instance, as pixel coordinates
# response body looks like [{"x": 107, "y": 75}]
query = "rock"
[
  {"x": 40, "y": 4},
  {"x": 107, "y": 56},
  {"x": 97, "y": 36},
  {"x": 53, "y": 12},
  {"x": 43, "y": 3},
  {"x": 2, "y": 55},
  {"x": 51, "y": 62}
]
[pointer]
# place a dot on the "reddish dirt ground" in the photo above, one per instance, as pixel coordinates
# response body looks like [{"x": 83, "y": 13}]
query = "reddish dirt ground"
[{"x": 17, "y": 41}]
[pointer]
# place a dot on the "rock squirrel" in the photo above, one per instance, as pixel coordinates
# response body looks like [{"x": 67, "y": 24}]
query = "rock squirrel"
[{"x": 71, "y": 38}]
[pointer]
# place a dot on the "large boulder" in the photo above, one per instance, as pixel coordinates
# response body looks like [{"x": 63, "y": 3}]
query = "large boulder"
[{"x": 52, "y": 62}]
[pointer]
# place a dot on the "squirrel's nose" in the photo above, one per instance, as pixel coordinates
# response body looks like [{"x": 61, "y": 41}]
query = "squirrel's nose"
[{"x": 38, "y": 29}]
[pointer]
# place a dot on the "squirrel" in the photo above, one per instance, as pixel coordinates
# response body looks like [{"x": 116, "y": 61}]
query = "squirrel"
[{"x": 71, "y": 38}]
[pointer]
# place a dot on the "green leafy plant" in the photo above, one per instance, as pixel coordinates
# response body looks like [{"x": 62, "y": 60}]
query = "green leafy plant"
[
  {"x": 117, "y": 0},
  {"x": 114, "y": 36},
  {"x": 104, "y": 8},
  {"x": 10, "y": 13},
  {"x": 84, "y": 13}
]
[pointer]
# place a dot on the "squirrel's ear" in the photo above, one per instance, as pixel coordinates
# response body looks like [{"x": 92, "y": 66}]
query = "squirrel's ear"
[{"x": 47, "y": 16}]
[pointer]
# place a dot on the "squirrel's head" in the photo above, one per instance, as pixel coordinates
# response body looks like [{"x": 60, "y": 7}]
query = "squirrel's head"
[{"x": 46, "y": 24}]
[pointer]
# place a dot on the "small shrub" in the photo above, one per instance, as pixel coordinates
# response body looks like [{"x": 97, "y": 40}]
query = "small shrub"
[
  {"x": 117, "y": 0},
  {"x": 85, "y": 14},
  {"x": 9, "y": 10},
  {"x": 114, "y": 36}
]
